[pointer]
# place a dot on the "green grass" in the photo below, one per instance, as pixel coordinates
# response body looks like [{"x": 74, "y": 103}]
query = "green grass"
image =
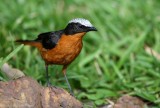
[{"x": 113, "y": 61}]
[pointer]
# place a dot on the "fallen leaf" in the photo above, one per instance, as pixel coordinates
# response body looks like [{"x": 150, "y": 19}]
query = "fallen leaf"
[{"x": 11, "y": 73}]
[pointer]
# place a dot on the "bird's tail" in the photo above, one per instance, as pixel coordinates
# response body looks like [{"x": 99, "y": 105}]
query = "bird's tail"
[{"x": 29, "y": 42}]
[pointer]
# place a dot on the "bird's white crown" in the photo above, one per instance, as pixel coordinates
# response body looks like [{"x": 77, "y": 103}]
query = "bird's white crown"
[{"x": 81, "y": 21}]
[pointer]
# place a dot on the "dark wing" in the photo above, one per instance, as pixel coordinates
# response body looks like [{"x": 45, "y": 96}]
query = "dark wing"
[{"x": 49, "y": 39}]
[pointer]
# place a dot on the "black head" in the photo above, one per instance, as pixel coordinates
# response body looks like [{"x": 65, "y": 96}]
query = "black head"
[{"x": 79, "y": 25}]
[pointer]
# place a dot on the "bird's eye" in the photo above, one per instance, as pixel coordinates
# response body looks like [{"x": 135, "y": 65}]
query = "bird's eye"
[{"x": 81, "y": 26}]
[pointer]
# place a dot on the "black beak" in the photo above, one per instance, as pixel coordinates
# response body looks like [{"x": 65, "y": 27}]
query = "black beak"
[{"x": 91, "y": 29}]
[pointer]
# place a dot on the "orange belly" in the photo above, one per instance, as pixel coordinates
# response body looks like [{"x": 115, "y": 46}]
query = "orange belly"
[{"x": 66, "y": 50}]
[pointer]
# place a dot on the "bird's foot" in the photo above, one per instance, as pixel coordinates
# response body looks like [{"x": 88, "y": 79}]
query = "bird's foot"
[
  {"x": 72, "y": 94},
  {"x": 49, "y": 84}
]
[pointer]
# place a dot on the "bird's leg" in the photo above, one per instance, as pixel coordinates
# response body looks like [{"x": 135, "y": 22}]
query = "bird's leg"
[
  {"x": 47, "y": 76},
  {"x": 64, "y": 72}
]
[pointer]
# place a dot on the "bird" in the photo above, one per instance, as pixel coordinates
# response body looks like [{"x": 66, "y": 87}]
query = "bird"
[{"x": 61, "y": 47}]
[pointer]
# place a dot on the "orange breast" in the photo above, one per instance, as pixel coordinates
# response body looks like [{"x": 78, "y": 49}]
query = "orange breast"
[{"x": 66, "y": 50}]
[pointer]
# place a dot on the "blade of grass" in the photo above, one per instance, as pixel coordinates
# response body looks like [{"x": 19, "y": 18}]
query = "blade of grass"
[
  {"x": 10, "y": 55},
  {"x": 133, "y": 47}
]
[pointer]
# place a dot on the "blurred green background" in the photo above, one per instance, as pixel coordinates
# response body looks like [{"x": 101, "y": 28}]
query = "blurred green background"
[{"x": 113, "y": 61}]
